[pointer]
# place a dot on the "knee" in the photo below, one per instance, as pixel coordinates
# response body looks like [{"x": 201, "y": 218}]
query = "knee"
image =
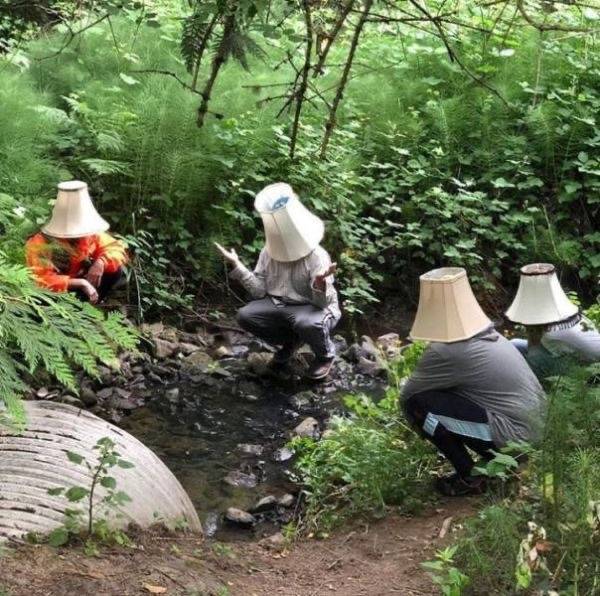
[
  {"x": 414, "y": 410},
  {"x": 306, "y": 326},
  {"x": 244, "y": 317}
]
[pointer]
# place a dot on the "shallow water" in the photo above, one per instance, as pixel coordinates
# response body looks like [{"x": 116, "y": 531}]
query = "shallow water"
[{"x": 198, "y": 435}]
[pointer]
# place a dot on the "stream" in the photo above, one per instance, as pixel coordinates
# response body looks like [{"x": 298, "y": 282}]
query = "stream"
[{"x": 209, "y": 426}]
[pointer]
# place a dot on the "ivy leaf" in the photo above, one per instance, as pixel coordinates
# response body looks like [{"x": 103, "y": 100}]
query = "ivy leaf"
[
  {"x": 74, "y": 457},
  {"x": 76, "y": 493},
  {"x": 126, "y": 465},
  {"x": 54, "y": 492},
  {"x": 108, "y": 482}
]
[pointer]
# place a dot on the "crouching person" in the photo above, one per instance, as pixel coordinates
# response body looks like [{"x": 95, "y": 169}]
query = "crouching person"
[
  {"x": 295, "y": 301},
  {"x": 73, "y": 253},
  {"x": 558, "y": 335},
  {"x": 472, "y": 389}
]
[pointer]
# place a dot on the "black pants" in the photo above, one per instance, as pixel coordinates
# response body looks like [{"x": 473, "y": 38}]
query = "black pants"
[
  {"x": 107, "y": 284},
  {"x": 452, "y": 423}
]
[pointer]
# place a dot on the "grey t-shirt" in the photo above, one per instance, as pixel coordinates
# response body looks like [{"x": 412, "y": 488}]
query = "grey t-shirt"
[
  {"x": 491, "y": 372},
  {"x": 581, "y": 341}
]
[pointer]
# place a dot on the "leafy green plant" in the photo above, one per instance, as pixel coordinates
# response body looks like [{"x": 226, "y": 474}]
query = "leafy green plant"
[
  {"x": 92, "y": 517},
  {"x": 444, "y": 574},
  {"x": 53, "y": 332}
]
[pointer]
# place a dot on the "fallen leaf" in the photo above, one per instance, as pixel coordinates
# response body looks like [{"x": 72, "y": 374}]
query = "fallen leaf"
[
  {"x": 543, "y": 546},
  {"x": 155, "y": 589}
]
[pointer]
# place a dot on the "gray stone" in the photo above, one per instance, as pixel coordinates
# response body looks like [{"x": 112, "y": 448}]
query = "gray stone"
[
  {"x": 172, "y": 395},
  {"x": 265, "y": 504},
  {"x": 187, "y": 349},
  {"x": 239, "y": 517},
  {"x": 248, "y": 449},
  {"x": 371, "y": 368},
  {"x": 309, "y": 427},
  {"x": 88, "y": 397},
  {"x": 303, "y": 400},
  {"x": 164, "y": 349},
  {"x": 223, "y": 352},
  {"x": 238, "y": 479},
  {"x": 105, "y": 393},
  {"x": 259, "y": 362},
  {"x": 283, "y": 454},
  {"x": 275, "y": 541},
  {"x": 71, "y": 400},
  {"x": 286, "y": 500},
  {"x": 42, "y": 393},
  {"x": 197, "y": 359}
]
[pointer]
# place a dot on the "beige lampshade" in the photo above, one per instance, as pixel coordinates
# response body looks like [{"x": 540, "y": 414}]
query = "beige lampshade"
[
  {"x": 540, "y": 299},
  {"x": 448, "y": 311},
  {"x": 291, "y": 230},
  {"x": 74, "y": 214}
]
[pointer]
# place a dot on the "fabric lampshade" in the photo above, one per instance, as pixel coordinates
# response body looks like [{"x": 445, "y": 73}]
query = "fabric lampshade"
[
  {"x": 74, "y": 214},
  {"x": 540, "y": 299},
  {"x": 291, "y": 230},
  {"x": 448, "y": 310}
]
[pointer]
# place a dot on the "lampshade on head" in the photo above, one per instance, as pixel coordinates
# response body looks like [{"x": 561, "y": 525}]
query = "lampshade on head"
[
  {"x": 74, "y": 214},
  {"x": 448, "y": 311},
  {"x": 292, "y": 232},
  {"x": 540, "y": 299}
]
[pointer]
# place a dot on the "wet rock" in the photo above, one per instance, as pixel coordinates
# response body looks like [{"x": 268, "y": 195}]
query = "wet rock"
[
  {"x": 265, "y": 504},
  {"x": 197, "y": 359},
  {"x": 303, "y": 400},
  {"x": 88, "y": 397},
  {"x": 172, "y": 395},
  {"x": 219, "y": 371},
  {"x": 286, "y": 500},
  {"x": 164, "y": 349},
  {"x": 274, "y": 542},
  {"x": 259, "y": 362},
  {"x": 283, "y": 454},
  {"x": 71, "y": 400},
  {"x": 105, "y": 394},
  {"x": 42, "y": 392},
  {"x": 186, "y": 349},
  {"x": 238, "y": 479},
  {"x": 247, "y": 449},
  {"x": 105, "y": 375},
  {"x": 223, "y": 352},
  {"x": 239, "y": 517},
  {"x": 390, "y": 344},
  {"x": 309, "y": 427},
  {"x": 371, "y": 368},
  {"x": 152, "y": 329}
]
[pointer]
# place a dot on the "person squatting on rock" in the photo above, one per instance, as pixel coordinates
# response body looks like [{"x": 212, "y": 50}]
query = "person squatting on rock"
[
  {"x": 472, "y": 388},
  {"x": 559, "y": 336},
  {"x": 295, "y": 300},
  {"x": 73, "y": 252}
]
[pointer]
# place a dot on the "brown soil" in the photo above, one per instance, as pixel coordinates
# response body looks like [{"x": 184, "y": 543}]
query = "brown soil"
[{"x": 368, "y": 560}]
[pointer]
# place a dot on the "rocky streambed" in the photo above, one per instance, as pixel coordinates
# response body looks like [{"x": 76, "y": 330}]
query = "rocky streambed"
[{"x": 207, "y": 405}]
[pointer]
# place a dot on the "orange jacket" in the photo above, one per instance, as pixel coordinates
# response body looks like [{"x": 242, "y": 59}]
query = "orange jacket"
[{"x": 55, "y": 261}]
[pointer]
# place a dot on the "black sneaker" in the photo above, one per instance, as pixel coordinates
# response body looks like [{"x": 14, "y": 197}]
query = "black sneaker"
[
  {"x": 459, "y": 486},
  {"x": 282, "y": 357},
  {"x": 320, "y": 368}
]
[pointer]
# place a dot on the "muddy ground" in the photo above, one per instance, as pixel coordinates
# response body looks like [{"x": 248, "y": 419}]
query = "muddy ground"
[{"x": 376, "y": 559}]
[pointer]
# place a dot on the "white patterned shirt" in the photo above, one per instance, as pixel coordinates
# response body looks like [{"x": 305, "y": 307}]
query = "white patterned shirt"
[{"x": 292, "y": 282}]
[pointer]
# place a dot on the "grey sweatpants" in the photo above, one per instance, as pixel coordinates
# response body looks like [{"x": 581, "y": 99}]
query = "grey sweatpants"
[{"x": 283, "y": 324}]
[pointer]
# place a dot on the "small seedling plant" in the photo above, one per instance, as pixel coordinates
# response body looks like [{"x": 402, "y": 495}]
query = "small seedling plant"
[
  {"x": 91, "y": 519},
  {"x": 444, "y": 574}
]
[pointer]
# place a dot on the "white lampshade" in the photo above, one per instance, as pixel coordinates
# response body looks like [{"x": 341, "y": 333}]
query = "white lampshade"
[
  {"x": 448, "y": 311},
  {"x": 74, "y": 214},
  {"x": 291, "y": 230},
  {"x": 540, "y": 299}
]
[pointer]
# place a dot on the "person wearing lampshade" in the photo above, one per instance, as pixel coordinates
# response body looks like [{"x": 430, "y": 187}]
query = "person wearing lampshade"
[
  {"x": 558, "y": 335},
  {"x": 73, "y": 252},
  {"x": 472, "y": 389},
  {"x": 292, "y": 285}
]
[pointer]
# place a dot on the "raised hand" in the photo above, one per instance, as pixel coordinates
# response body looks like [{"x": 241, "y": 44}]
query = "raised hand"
[
  {"x": 228, "y": 255},
  {"x": 319, "y": 283}
]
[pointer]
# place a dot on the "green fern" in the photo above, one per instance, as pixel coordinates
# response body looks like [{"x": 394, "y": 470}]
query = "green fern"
[{"x": 57, "y": 333}]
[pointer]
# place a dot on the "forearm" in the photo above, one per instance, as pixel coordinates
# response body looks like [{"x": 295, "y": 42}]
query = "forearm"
[{"x": 254, "y": 284}]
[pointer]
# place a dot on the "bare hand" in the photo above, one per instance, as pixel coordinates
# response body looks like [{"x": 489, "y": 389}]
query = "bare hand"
[
  {"x": 95, "y": 273},
  {"x": 319, "y": 283},
  {"x": 86, "y": 287},
  {"x": 228, "y": 255}
]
